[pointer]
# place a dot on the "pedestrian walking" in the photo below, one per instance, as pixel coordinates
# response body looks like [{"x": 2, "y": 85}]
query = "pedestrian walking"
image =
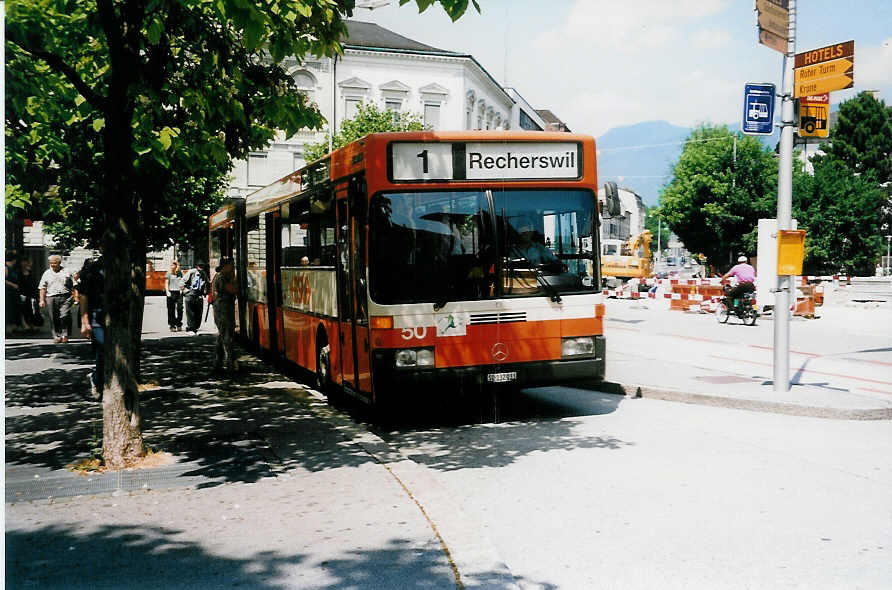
[
  {"x": 28, "y": 297},
  {"x": 173, "y": 288},
  {"x": 13, "y": 277},
  {"x": 223, "y": 291},
  {"x": 91, "y": 294},
  {"x": 195, "y": 284},
  {"x": 55, "y": 294}
]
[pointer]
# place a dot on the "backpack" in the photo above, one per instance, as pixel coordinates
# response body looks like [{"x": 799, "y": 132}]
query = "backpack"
[{"x": 196, "y": 282}]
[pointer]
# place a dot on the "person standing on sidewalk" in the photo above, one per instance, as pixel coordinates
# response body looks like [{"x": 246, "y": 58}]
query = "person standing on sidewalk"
[
  {"x": 223, "y": 291},
  {"x": 91, "y": 298},
  {"x": 173, "y": 288},
  {"x": 196, "y": 285},
  {"x": 55, "y": 292}
]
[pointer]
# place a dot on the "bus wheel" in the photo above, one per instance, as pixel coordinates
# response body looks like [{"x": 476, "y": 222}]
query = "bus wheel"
[{"x": 323, "y": 369}]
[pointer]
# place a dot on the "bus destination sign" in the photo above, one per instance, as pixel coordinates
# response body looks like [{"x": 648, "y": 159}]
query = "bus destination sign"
[{"x": 443, "y": 161}]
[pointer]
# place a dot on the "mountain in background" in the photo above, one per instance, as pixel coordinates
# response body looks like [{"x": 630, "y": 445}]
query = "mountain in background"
[
  {"x": 640, "y": 157},
  {"x": 644, "y": 154}
]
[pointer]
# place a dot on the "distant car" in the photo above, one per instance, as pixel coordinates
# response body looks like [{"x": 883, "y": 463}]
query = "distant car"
[{"x": 671, "y": 261}]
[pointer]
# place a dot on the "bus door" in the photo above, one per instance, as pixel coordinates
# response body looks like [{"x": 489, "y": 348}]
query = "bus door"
[
  {"x": 353, "y": 330},
  {"x": 347, "y": 351},
  {"x": 358, "y": 217},
  {"x": 273, "y": 278}
]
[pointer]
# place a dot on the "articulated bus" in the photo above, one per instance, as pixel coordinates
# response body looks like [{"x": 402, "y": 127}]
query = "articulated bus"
[{"x": 405, "y": 261}]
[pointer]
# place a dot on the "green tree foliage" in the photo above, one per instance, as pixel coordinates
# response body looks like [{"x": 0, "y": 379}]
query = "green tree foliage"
[
  {"x": 118, "y": 112},
  {"x": 368, "y": 119},
  {"x": 840, "y": 212},
  {"x": 715, "y": 199},
  {"x": 862, "y": 136},
  {"x": 841, "y": 206}
]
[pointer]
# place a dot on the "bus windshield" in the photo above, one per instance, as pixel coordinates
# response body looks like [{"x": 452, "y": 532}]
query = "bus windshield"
[{"x": 469, "y": 245}]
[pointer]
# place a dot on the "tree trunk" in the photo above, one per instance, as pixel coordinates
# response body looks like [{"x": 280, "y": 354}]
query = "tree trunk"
[{"x": 122, "y": 441}]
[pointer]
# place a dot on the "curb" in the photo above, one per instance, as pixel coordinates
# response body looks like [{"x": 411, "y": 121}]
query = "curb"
[{"x": 673, "y": 395}]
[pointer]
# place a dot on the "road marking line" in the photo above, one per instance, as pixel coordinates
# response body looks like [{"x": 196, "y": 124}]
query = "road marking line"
[
  {"x": 793, "y": 351},
  {"x": 868, "y": 361},
  {"x": 876, "y": 390},
  {"x": 801, "y": 370},
  {"x": 694, "y": 338}
]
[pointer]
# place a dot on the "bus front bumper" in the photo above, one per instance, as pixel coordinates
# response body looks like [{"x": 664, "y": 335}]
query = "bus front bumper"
[{"x": 387, "y": 378}]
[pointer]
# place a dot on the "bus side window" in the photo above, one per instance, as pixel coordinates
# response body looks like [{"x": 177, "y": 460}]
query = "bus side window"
[
  {"x": 326, "y": 224},
  {"x": 358, "y": 210}
]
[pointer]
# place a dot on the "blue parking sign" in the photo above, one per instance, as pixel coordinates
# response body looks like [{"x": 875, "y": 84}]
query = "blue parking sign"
[{"x": 758, "y": 109}]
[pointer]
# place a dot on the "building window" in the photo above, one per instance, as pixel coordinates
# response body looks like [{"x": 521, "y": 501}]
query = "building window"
[
  {"x": 306, "y": 83},
  {"x": 393, "y": 105},
  {"x": 432, "y": 116},
  {"x": 257, "y": 169},
  {"x": 351, "y": 107},
  {"x": 468, "y": 119},
  {"x": 526, "y": 122}
]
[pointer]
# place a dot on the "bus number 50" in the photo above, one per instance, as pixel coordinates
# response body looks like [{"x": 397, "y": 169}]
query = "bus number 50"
[{"x": 418, "y": 332}]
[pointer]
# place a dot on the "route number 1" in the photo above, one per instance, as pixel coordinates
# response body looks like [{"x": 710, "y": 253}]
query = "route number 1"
[{"x": 423, "y": 156}]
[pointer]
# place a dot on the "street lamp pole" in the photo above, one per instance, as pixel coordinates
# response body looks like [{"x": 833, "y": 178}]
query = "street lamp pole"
[
  {"x": 888, "y": 270},
  {"x": 782, "y": 296}
]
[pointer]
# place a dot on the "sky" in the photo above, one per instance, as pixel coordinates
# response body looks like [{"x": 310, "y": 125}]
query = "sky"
[{"x": 600, "y": 64}]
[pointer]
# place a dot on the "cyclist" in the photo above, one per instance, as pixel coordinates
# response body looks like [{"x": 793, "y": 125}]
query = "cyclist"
[{"x": 746, "y": 277}]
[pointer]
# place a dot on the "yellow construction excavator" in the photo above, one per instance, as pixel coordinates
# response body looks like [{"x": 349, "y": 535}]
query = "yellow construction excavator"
[{"x": 628, "y": 264}]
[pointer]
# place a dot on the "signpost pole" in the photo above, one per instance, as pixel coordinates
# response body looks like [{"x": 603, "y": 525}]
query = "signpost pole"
[{"x": 782, "y": 297}]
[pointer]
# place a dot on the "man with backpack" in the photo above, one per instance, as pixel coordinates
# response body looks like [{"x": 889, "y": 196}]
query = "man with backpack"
[{"x": 196, "y": 288}]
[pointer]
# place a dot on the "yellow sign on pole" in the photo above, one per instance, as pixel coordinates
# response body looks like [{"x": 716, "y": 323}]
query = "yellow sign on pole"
[
  {"x": 814, "y": 116},
  {"x": 824, "y": 70},
  {"x": 825, "y": 77},
  {"x": 773, "y": 18},
  {"x": 774, "y": 24},
  {"x": 790, "y": 251}
]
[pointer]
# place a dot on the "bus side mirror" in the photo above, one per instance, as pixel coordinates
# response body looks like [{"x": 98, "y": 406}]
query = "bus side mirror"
[{"x": 612, "y": 207}]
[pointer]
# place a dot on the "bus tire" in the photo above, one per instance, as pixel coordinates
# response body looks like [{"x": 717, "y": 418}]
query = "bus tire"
[
  {"x": 809, "y": 127},
  {"x": 323, "y": 369}
]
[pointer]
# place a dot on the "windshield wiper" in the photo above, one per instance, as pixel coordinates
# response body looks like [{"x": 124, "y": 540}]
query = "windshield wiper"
[{"x": 550, "y": 289}]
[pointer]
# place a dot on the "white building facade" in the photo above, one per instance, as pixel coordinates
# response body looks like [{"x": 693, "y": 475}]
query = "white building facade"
[
  {"x": 449, "y": 90},
  {"x": 630, "y": 221}
]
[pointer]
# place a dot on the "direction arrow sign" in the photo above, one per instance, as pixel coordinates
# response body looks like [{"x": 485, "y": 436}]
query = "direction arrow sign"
[
  {"x": 828, "y": 84},
  {"x": 769, "y": 39},
  {"x": 823, "y": 70},
  {"x": 773, "y": 18},
  {"x": 758, "y": 109}
]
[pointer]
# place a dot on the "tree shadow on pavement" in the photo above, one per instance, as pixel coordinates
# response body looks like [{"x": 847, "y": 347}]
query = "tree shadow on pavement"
[
  {"x": 122, "y": 556},
  {"x": 240, "y": 427}
]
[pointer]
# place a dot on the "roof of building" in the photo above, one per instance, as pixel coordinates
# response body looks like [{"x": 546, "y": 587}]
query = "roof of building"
[
  {"x": 551, "y": 118},
  {"x": 362, "y": 34}
]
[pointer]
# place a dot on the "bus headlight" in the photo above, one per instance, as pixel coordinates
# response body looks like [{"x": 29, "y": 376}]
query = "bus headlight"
[
  {"x": 580, "y": 346},
  {"x": 414, "y": 357}
]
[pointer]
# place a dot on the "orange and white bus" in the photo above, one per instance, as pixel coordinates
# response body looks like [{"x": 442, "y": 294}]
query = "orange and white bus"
[{"x": 404, "y": 261}]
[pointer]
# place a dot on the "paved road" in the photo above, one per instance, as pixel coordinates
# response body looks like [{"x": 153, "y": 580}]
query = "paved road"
[
  {"x": 848, "y": 349},
  {"x": 650, "y": 494}
]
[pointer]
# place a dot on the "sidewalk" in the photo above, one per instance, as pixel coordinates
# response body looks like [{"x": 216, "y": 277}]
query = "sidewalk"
[{"x": 266, "y": 486}]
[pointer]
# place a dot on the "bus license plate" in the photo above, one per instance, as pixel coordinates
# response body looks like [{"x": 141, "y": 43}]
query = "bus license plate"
[{"x": 502, "y": 377}]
